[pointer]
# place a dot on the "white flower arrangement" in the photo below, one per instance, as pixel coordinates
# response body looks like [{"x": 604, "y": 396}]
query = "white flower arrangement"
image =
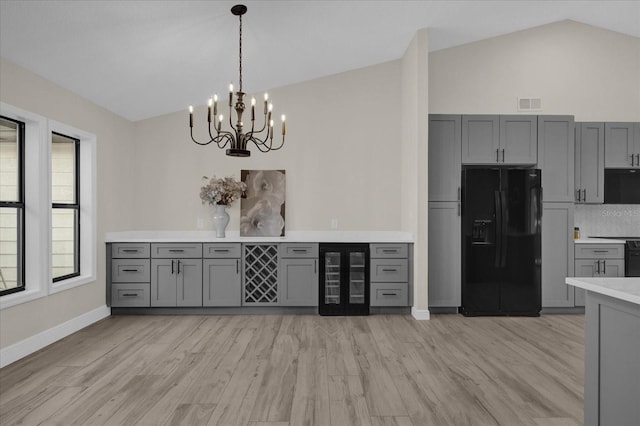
[{"x": 222, "y": 191}]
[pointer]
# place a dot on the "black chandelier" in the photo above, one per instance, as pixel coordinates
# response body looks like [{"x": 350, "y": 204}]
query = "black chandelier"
[{"x": 236, "y": 139}]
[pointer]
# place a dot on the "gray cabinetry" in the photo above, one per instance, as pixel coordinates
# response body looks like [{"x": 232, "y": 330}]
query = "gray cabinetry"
[
  {"x": 557, "y": 254},
  {"x": 176, "y": 274},
  {"x": 556, "y": 157},
  {"x": 129, "y": 275},
  {"x": 597, "y": 260},
  {"x": 260, "y": 278},
  {"x": 589, "y": 163},
  {"x": 445, "y": 139},
  {"x": 298, "y": 274},
  {"x": 389, "y": 275},
  {"x": 444, "y": 255},
  {"x": 221, "y": 276},
  {"x": 622, "y": 145},
  {"x": 504, "y": 139}
]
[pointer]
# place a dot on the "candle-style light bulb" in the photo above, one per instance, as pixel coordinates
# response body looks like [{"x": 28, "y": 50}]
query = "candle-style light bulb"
[
  {"x": 231, "y": 87},
  {"x": 230, "y": 94},
  {"x": 283, "y": 124},
  {"x": 270, "y": 123},
  {"x": 270, "y": 107},
  {"x": 253, "y": 109},
  {"x": 215, "y": 105},
  {"x": 209, "y": 104},
  {"x": 266, "y": 96},
  {"x": 220, "y": 118},
  {"x": 191, "y": 116}
]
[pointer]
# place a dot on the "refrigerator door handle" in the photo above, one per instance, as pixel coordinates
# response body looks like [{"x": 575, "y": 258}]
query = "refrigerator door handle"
[
  {"x": 498, "y": 228},
  {"x": 503, "y": 231}
]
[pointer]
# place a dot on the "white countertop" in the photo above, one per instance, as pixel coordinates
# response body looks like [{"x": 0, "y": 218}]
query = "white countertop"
[
  {"x": 619, "y": 288},
  {"x": 234, "y": 237},
  {"x": 598, "y": 241}
]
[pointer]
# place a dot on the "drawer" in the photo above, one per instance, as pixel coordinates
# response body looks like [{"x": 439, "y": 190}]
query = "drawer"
[
  {"x": 599, "y": 251},
  {"x": 130, "y": 250},
  {"x": 389, "y": 270},
  {"x": 130, "y": 295},
  {"x": 176, "y": 250},
  {"x": 130, "y": 270},
  {"x": 221, "y": 251},
  {"x": 295, "y": 250},
  {"x": 389, "y": 294},
  {"x": 388, "y": 251}
]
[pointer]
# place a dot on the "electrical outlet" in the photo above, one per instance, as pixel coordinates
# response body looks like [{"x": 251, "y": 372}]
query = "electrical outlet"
[{"x": 334, "y": 223}]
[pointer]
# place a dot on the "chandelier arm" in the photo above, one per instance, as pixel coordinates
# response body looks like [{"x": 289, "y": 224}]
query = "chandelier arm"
[
  {"x": 263, "y": 126},
  {"x": 261, "y": 146},
  {"x": 227, "y": 138},
  {"x": 199, "y": 143}
]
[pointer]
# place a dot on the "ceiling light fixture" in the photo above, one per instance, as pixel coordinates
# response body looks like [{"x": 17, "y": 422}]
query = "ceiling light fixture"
[{"x": 237, "y": 139}]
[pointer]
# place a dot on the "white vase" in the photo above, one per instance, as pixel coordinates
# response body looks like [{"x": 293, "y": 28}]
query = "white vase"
[{"x": 220, "y": 219}]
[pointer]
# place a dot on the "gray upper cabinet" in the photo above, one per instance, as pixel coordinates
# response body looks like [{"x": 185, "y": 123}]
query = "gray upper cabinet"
[
  {"x": 298, "y": 282},
  {"x": 445, "y": 261},
  {"x": 445, "y": 145},
  {"x": 176, "y": 282},
  {"x": 557, "y": 254},
  {"x": 589, "y": 164},
  {"x": 622, "y": 146},
  {"x": 222, "y": 282},
  {"x": 499, "y": 139},
  {"x": 556, "y": 157}
]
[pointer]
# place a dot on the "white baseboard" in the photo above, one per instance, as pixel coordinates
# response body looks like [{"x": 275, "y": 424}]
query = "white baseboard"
[
  {"x": 25, "y": 347},
  {"x": 420, "y": 314}
]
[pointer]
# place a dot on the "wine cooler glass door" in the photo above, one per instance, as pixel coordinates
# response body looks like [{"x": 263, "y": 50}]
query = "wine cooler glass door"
[
  {"x": 357, "y": 277},
  {"x": 332, "y": 278}
]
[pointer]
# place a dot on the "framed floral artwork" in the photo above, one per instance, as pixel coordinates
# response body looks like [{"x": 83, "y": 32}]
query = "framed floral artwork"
[{"x": 262, "y": 207}]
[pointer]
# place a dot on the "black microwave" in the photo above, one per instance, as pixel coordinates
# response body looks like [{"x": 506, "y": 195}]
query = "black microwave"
[{"x": 622, "y": 186}]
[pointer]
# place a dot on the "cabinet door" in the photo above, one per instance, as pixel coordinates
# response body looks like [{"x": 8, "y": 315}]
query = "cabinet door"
[
  {"x": 619, "y": 145},
  {"x": 518, "y": 139},
  {"x": 298, "y": 282},
  {"x": 589, "y": 172},
  {"x": 556, "y": 157},
  {"x": 445, "y": 146},
  {"x": 163, "y": 282},
  {"x": 583, "y": 268},
  {"x": 221, "y": 282},
  {"x": 445, "y": 264},
  {"x": 557, "y": 254},
  {"x": 481, "y": 139},
  {"x": 189, "y": 282},
  {"x": 611, "y": 268}
]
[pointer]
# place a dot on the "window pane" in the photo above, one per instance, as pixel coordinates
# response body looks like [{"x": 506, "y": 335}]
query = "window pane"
[
  {"x": 63, "y": 169},
  {"x": 10, "y": 253},
  {"x": 9, "y": 161},
  {"x": 64, "y": 242}
]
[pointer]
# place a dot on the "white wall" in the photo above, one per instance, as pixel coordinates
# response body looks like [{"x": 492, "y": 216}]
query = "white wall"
[
  {"x": 342, "y": 157},
  {"x": 576, "y": 69},
  {"x": 27, "y": 91}
]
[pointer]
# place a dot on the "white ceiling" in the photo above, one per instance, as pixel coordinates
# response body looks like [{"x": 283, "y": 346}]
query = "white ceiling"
[{"x": 141, "y": 59}]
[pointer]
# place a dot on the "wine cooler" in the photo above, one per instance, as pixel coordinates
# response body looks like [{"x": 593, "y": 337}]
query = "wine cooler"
[{"x": 344, "y": 279}]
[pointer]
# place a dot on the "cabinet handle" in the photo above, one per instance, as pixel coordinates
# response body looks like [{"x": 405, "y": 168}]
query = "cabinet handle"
[
  {"x": 172, "y": 266},
  {"x": 389, "y": 294},
  {"x": 598, "y": 267},
  {"x": 601, "y": 251},
  {"x": 584, "y": 195},
  {"x": 632, "y": 157},
  {"x": 237, "y": 266},
  {"x": 497, "y": 155},
  {"x": 179, "y": 266},
  {"x": 221, "y": 250},
  {"x": 578, "y": 195},
  {"x": 604, "y": 266},
  {"x": 389, "y": 250},
  {"x": 299, "y": 250},
  {"x": 176, "y": 250},
  {"x": 503, "y": 155},
  {"x": 459, "y": 193},
  {"x": 459, "y": 209},
  {"x": 130, "y": 250},
  {"x": 129, "y": 294},
  {"x": 129, "y": 270},
  {"x": 389, "y": 270},
  {"x": 637, "y": 160}
]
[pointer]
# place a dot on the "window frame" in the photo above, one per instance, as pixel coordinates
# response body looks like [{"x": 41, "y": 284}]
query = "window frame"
[
  {"x": 71, "y": 206},
  {"x": 19, "y": 205}
]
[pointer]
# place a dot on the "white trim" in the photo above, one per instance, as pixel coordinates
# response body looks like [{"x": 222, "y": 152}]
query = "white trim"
[
  {"x": 36, "y": 209},
  {"x": 420, "y": 314},
  {"x": 88, "y": 203},
  {"x": 25, "y": 347}
]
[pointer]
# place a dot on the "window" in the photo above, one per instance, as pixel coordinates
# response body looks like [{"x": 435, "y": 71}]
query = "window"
[
  {"x": 65, "y": 214},
  {"x": 11, "y": 206}
]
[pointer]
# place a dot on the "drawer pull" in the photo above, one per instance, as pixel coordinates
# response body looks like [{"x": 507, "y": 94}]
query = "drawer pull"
[
  {"x": 130, "y": 250},
  {"x": 389, "y": 270},
  {"x": 389, "y": 250},
  {"x": 601, "y": 251},
  {"x": 389, "y": 294},
  {"x": 176, "y": 250},
  {"x": 221, "y": 250},
  {"x": 299, "y": 250},
  {"x": 129, "y": 294},
  {"x": 130, "y": 270}
]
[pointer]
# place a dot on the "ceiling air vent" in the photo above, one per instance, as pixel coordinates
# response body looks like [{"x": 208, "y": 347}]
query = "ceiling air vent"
[{"x": 529, "y": 104}]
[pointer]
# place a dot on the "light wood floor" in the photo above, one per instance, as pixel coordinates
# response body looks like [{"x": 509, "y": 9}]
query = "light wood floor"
[{"x": 277, "y": 370}]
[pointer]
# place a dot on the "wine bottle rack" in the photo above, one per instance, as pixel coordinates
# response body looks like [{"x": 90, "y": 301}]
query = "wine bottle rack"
[{"x": 261, "y": 274}]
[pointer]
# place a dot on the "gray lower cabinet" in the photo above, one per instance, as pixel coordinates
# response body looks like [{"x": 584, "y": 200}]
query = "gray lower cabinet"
[
  {"x": 176, "y": 282},
  {"x": 589, "y": 164},
  {"x": 128, "y": 275},
  {"x": 221, "y": 282},
  {"x": 130, "y": 295},
  {"x": 556, "y": 157},
  {"x": 622, "y": 146},
  {"x": 445, "y": 255},
  {"x": 557, "y": 254},
  {"x": 260, "y": 275},
  {"x": 389, "y": 272},
  {"x": 298, "y": 282},
  {"x": 597, "y": 260}
]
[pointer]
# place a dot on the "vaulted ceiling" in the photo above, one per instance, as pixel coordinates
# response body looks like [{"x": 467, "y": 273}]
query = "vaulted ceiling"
[{"x": 145, "y": 58}]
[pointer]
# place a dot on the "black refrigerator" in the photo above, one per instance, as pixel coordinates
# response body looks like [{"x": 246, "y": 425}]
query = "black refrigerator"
[
  {"x": 501, "y": 241},
  {"x": 344, "y": 279}
]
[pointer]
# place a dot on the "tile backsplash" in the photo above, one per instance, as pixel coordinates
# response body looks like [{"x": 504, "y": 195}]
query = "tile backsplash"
[{"x": 608, "y": 220}]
